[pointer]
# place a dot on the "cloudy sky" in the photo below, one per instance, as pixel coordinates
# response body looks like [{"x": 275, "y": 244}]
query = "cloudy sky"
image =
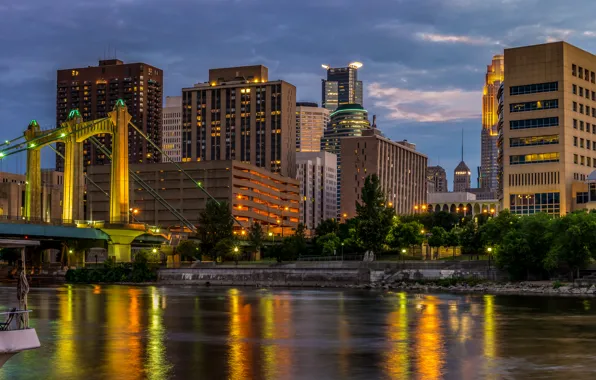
[{"x": 424, "y": 60}]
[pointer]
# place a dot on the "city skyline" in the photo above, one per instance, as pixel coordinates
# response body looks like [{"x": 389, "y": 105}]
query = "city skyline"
[{"x": 424, "y": 96}]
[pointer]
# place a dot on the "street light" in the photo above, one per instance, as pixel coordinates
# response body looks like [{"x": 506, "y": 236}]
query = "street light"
[
  {"x": 235, "y": 249},
  {"x": 272, "y": 236},
  {"x": 342, "y": 251},
  {"x": 422, "y": 231},
  {"x": 154, "y": 250},
  {"x": 489, "y": 250}
]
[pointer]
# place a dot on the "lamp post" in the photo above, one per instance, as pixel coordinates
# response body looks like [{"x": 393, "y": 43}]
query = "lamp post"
[
  {"x": 273, "y": 236},
  {"x": 489, "y": 250},
  {"x": 342, "y": 251},
  {"x": 403, "y": 257}
]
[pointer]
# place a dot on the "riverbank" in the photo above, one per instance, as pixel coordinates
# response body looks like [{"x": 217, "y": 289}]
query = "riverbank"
[{"x": 546, "y": 288}]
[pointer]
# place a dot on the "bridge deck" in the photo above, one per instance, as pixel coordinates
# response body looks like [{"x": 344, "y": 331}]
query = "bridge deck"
[{"x": 40, "y": 230}]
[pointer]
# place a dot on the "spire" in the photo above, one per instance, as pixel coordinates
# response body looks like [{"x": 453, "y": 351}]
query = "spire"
[{"x": 462, "y": 144}]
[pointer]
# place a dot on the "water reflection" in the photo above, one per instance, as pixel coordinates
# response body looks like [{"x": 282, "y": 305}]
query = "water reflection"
[{"x": 117, "y": 332}]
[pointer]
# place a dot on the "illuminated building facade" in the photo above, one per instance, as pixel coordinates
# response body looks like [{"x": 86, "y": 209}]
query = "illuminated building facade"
[
  {"x": 94, "y": 91},
  {"x": 171, "y": 141},
  {"x": 487, "y": 178},
  {"x": 341, "y": 86},
  {"x": 548, "y": 134},
  {"x": 317, "y": 174},
  {"x": 400, "y": 168},
  {"x": 240, "y": 115},
  {"x": 348, "y": 120},
  {"x": 311, "y": 121},
  {"x": 255, "y": 194},
  {"x": 461, "y": 177}
]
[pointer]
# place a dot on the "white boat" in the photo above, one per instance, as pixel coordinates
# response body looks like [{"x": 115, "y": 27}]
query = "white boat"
[{"x": 15, "y": 334}]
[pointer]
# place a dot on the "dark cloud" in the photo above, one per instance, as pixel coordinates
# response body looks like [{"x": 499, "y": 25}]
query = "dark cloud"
[{"x": 424, "y": 60}]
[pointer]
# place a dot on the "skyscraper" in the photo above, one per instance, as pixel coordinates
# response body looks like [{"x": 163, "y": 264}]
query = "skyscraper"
[
  {"x": 341, "y": 86},
  {"x": 94, "y": 91},
  {"x": 240, "y": 115},
  {"x": 489, "y": 167},
  {"x": 347, "y": 121},
  {"x": 461, "y": 175},
  {"x": 172, "y": 128},
  {"x": 317, "y": 173},
  {"x": 311, "y": 121},
  {"x": 437, "y": 178}
]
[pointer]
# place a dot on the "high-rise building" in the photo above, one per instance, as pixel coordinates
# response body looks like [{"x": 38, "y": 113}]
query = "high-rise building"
[
  {"x": 437, "y": 179},
  {"x": 462, "y": 176},
  {"x": 548, "y": 134},
  {"x": 94, "y": 91},
  {"x": 171, "y": 140},
  {"x": 487, "y": 178},
  {"x": 311, "y": 121},
  {"x": 341, "y": 86},
  {"x": 347, "y": 121},
  {"x": 240, "y": 115},
  {"x": 255, "y": 195},
  {"x": 317, "y": 173},
  {"x": 401, "y": 170}
]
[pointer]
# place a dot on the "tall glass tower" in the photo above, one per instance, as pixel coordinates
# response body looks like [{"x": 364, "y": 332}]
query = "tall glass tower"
[
  {"x": 341, "y": 86},
  {"x": 488, "y": 165}
]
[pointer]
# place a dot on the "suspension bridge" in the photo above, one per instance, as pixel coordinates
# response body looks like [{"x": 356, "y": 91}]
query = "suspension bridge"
[{"x": 121, "y": 228}]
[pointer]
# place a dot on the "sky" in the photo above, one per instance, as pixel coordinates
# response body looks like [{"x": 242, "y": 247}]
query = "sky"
[{"x": 424, "y": 60}]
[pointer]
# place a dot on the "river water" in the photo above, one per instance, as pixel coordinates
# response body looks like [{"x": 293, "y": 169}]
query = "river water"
[{"x": 120, "y": 332}]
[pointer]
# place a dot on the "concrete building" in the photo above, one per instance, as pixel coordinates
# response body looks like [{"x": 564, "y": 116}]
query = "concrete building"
[
  {"x": 401, "y": 170},
  {"x": 311, "y": 121},
  {"x": 437, "y": 179},
  {"x": 12, "y": 195},
  {"x": 548, "y": 130},
  {"x": 487, "y": 176},
  {"x": 171, "y": 140},
  {"x": 317, "y": 174},
  {"x": 341, "y": 86},
  {"x": 347, "y": 121},
  {"x": 240, "y": 115},
  {"x": 464, "y": 203},
  {"x": 94, "y": 90},
  {"x": 255, "y": 194},
  {"x": 461, "y": 177}
]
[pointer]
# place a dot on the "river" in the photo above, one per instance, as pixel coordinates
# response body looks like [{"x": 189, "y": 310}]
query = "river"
[{"x": 121, "y": 332}]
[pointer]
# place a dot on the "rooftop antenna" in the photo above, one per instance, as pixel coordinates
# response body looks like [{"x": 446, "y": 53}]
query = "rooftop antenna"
[{"x": 462, "y": 145}]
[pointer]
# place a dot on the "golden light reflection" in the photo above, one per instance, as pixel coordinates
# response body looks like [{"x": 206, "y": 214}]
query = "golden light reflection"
[
  {"x": 429, "y": 350},
  {"x": 453, "y": 317},
  {"x": 96, "y": 289},
  {"x": 66, "y": 350},
  {"x": 157, "y": 366},
  {"x": 240, "y": 351},
  {"x": 397, "y": 359},
  {"x": 277, "y": 327},
  {"x": 489, "y": 331}
]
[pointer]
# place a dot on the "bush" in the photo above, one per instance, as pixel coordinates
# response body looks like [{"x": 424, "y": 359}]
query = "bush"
[
  {"x": 139, "y": 271},
  {"x": 557, "y": 284}
]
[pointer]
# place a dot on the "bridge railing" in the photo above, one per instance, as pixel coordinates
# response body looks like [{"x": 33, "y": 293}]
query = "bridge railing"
[{"x": 24, "y": 220}]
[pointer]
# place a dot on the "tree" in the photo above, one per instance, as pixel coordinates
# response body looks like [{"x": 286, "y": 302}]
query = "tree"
[
  {"x": 405, "y": 235},
  {"x": 437, "y": 238},
  {"x": 374, "y": 218},
  {"x": 256, "y": 236},
  {"x": 452, "y": 239},
  {"x": 327, "y": 226},
  {"x": 189, "y": 250},
  {"x": 495, "y": 229},
  {"x": 470, "y": 238},
  {"x": 328, "y": 244},
  {"x": 227, "y": 248},
  {"x": 215, "y": 224},
  {"x": 443, "y": 219}
]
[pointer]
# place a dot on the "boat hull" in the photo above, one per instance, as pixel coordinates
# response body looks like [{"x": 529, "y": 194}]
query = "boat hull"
[{"x": 14, "y": 341}]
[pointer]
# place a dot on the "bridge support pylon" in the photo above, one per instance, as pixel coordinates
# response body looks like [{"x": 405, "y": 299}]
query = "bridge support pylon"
[
  {"x": 119, "y": 187},
  {"x": 33, "y": 176},
  {"x": 119, "y": 244}
]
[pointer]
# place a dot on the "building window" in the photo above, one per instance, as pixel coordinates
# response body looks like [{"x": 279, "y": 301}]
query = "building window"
[
  {"x": 593, "y": 95},
  {"x": 574, "y": 70},
  {"x": 574, "y": 89},
  {"x": 534, "y": 123},
  {"x": 535, "y": 158},
  {"x": 581, "y": 91},
  {"x": 588, "y": 161},
  {"x": 581, "y": 143},
  {"x": 582, "y": 198},
  {"x": 534, "y": 140},
  {"x": 592, "y": 77},
  {"x": 528, "y": 204},
  {"x": 588, "y": 110},
  {"x": 533, "y": 106},
  {"x": 582, "y": 161},
  {"x": 581, "y": 125},
  {"x": 586, "y": 74},
  {"x": 581, "y": 72},
  {"x": 534, "y": 88},
  {"x": 574, "y": 140},
  {"x": 581, "y": 108},
  {"x": 575, "y": 158},
  {"x": 574, "y": 123},
  {"x": 575, "y": 106}
]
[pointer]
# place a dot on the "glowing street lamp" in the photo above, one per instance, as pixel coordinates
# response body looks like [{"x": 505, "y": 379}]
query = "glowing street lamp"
[
  {"x": 236, "y": 249},
  {"x": 423, "y": 207},
  {"x": 154, "y": 250}
]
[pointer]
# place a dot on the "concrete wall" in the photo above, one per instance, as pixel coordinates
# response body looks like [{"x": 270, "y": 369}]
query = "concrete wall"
[{"x": 265, "y": 276}]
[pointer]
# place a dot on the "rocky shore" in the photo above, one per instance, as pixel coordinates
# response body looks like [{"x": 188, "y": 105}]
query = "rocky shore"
[{"x": 521, "y": 288}]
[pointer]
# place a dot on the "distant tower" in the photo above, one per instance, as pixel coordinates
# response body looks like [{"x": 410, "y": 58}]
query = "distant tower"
[
  {"x": 488, "y": 165},
  {"x": 341, "y": 86},
  {"x": 461, "y": 174}
]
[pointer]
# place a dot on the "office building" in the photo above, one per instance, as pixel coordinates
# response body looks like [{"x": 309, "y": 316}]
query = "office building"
[
  {"x": 401, "y": 170},
  {"x": 12, "y": 195},
  {"x": 240, "y": 115},
  {"x": 94, "y": 91},
  {"x": 548, "y": 134},
  {"x": 311, "y": 121},
  {"x": 171, "y": 140},
  {"x": 348, "y": 120},
  {"x": 341, "y": 86},
  {"x": 317, "y": 174},
  {"x": 487, "y": 176},
  {"x": 461, "y": 177},
  {"x": 254, "y": 194},
  {"x": 437, "y": 179}
]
